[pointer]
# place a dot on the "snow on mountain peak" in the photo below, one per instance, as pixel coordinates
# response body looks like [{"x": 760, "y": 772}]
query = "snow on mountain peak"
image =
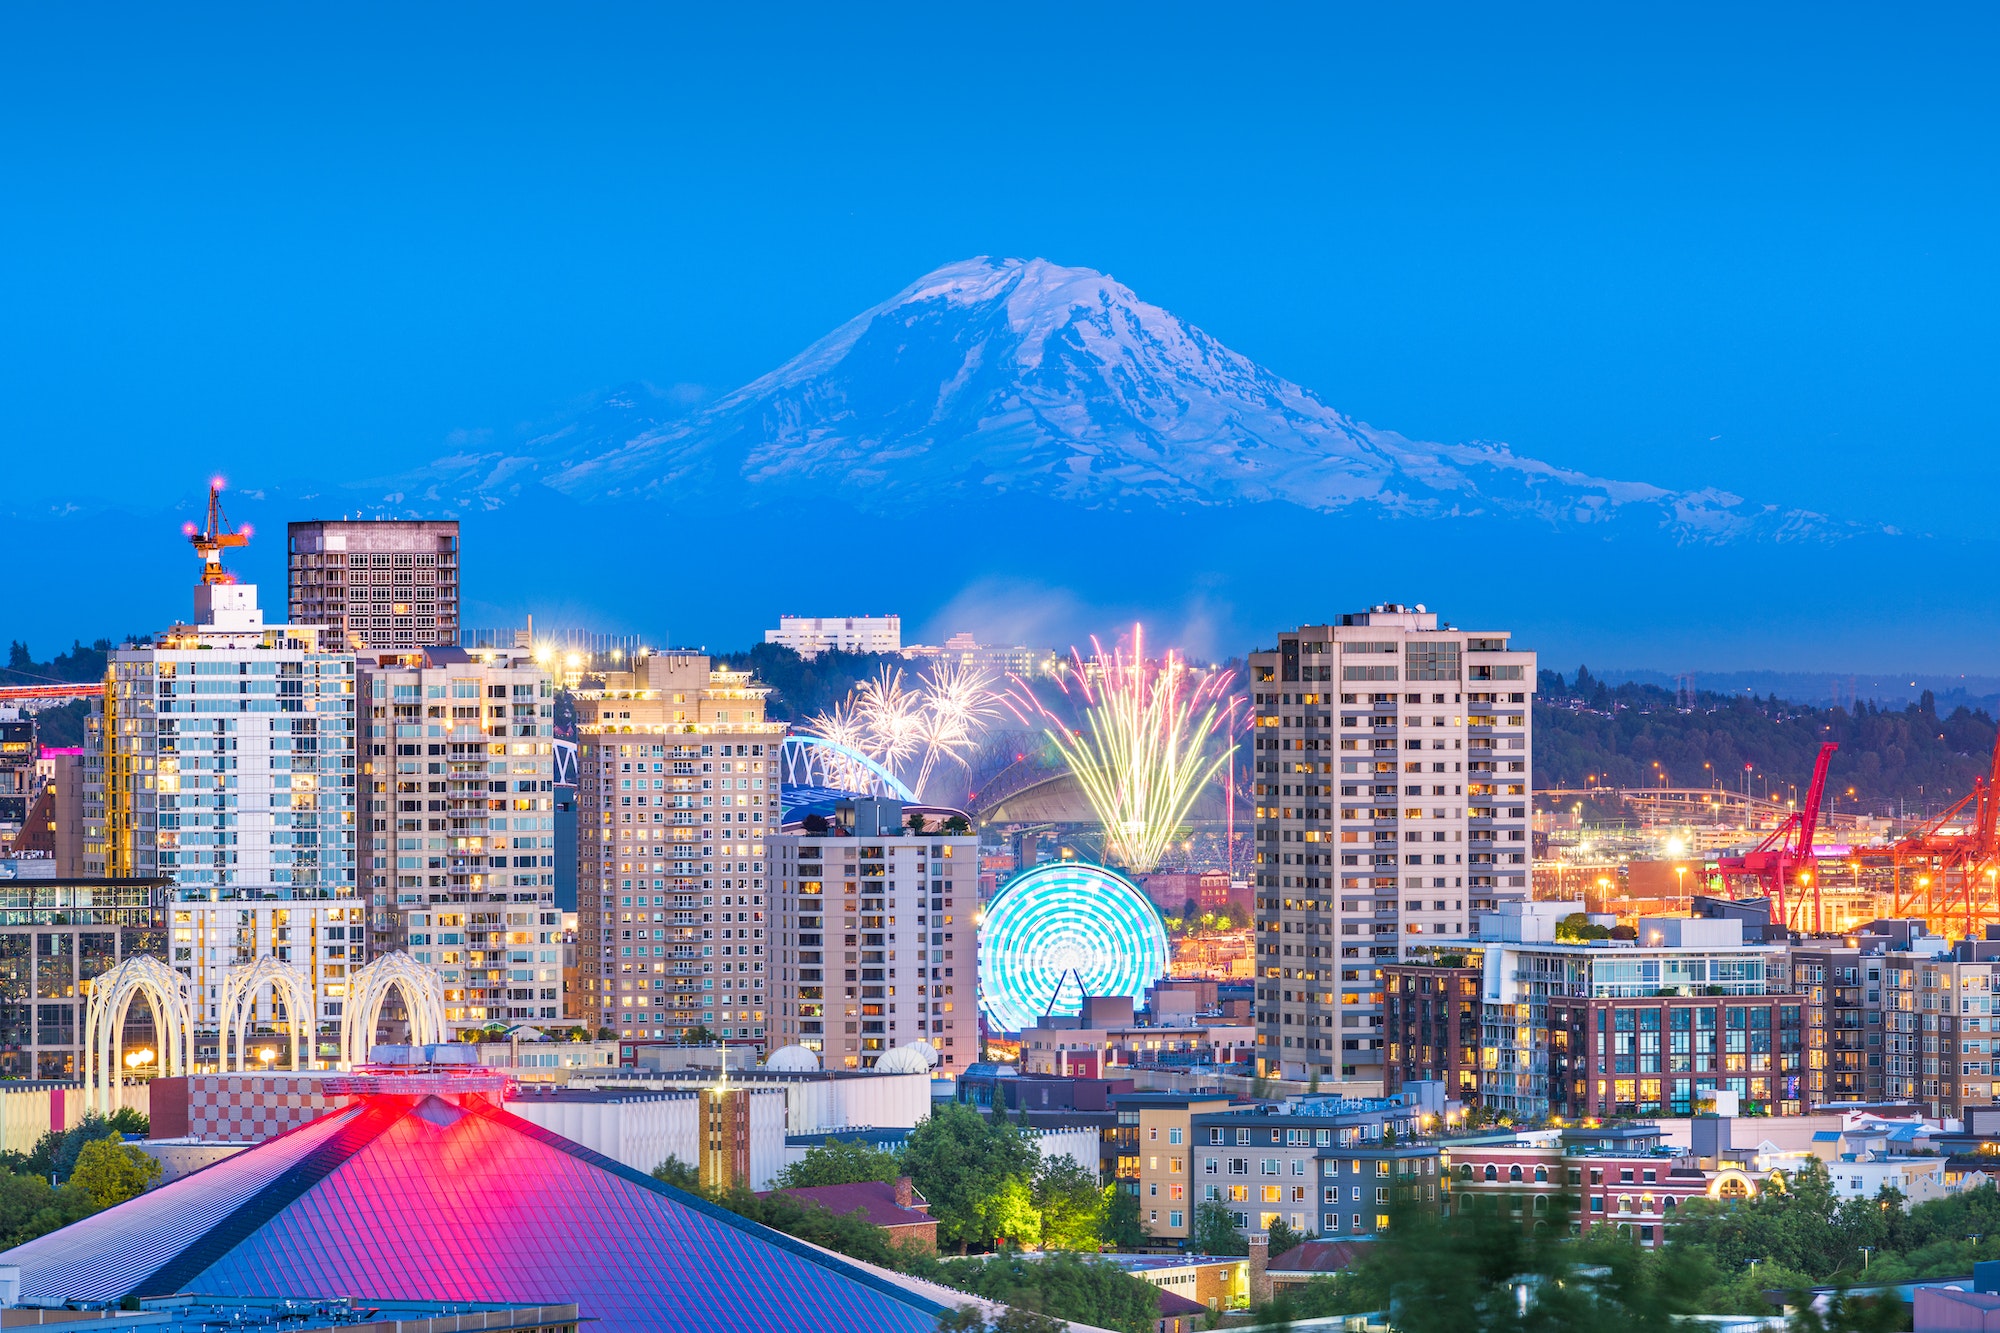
[{"x": 1023, "y": 376}]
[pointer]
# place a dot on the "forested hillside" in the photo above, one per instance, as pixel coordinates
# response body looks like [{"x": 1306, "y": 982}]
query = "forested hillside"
[{"x": 1911, "y": 756}]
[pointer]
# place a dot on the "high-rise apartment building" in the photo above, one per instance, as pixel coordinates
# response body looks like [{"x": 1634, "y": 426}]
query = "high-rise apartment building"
[
  {"x": 390, "y": 584},
  {"x": 222, "y": 756},
  {"x": 875, "y": 940},
  {"x": 1936, "y": 1029},
  {"x": 677, "y": 799},
  {"x": 457, "y": 842},
  {"x": 809, "y": 636},
  {"x": 1393, "y": 775},
  {"x": 19, "y": 783}
]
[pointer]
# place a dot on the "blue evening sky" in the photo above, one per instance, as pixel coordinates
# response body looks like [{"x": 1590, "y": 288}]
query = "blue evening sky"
[{"x": 1747, "y": 247}]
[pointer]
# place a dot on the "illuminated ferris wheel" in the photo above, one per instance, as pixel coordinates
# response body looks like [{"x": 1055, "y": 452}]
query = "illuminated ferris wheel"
[{"x": 1063, "y": 931}]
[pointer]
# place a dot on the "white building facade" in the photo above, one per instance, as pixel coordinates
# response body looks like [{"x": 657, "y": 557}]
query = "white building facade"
[
  {"x": 327, "y": 938},
  {"x": 809, "y": 636},
  {"x": 223, "y": 756},
  {"x": 1394, "y": 770},
  {"x": 876, "y": 941}
]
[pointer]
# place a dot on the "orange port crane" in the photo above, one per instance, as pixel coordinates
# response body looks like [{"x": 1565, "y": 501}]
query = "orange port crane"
[
  {"x": 1946, "y": 871},
  {"x": 209, "y": 542},
  {"x": 1786, "y": 855}
]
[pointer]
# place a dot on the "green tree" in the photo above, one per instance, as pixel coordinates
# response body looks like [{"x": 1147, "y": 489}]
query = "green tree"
[
  {"x": 1071, "y": 1204},
  {"x": 1215, "y": 1230},
  {"x": 56, "y": 1153},
  {"x": 31, "y": 1207},
  {"x": 839, "y": 1162},
  {"x": 1124, "y": 1226},
  {"x": 1578, "y": 926},
  {"x": 111, "y": 1172},
  {"x": 1473, "y": 1272},
  {"x": 915, "y": 819},
  {"x": 130, "y": 1120},
  {"x": 976, "y": 1175},
  {"x": 679, "y": 1174},
  {"x": 699, "y": 1036},
  {"x": 957, "y": 825},
  {"x": 1058, "y": 1285},
  {"x": 1283, "y": 1238}
]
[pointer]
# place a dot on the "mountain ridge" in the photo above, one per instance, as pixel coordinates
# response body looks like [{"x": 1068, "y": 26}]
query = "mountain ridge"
[{"x": 1006, "y": 375}]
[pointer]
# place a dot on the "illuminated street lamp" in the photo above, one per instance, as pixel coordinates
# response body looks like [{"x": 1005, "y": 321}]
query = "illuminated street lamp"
[
  {"x": 267, "y": 1054},
  {"x": 136, "y": 1060}
]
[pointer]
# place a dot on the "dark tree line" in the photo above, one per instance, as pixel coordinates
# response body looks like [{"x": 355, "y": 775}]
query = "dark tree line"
[{"x": 1585, "y": 729}]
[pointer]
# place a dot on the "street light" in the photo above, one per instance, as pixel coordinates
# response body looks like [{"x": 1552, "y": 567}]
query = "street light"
[
  {"x": 267, "y": 1054},
  {"x": 135, "y": 1060}
]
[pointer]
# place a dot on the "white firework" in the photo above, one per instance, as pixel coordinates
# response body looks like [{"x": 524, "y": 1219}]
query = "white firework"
[{"x": 958, "y": 702}]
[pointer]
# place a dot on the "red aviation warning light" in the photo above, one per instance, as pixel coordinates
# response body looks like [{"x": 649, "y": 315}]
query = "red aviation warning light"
[{"x": 209, "y": 542}]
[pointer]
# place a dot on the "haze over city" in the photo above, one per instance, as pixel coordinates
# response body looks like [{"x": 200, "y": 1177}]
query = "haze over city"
[{"x": 999, "y": 669}]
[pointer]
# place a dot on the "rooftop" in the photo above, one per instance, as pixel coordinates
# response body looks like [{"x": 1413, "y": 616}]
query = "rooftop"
[
  {"x": 424, "y": 1197},
  {"x": 199, "y": 1314},
  {"x": 873, "y": 1199}
]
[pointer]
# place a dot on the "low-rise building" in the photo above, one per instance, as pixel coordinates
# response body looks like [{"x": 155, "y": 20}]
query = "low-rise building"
[
  {"x": 1213, "y": 1282},
  {"x": 1623, "y": 1176},
  {"x": 895, "y": 1207},
  {"x": 1431, "y": 1014},
  {"x": 1333, "y": 1165},
  {"x": 1614, "y": 1027},
  {"x": 1162, "y": 1125},
  {"x": 1106, "y": 1036}
]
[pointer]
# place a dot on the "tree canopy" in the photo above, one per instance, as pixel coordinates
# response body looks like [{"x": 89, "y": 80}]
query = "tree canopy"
[
  {"x": 977, "y": 1174},
  {"x": 839, "y": 1162}
]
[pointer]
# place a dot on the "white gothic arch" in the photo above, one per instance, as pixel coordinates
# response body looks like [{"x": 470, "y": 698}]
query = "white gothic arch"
[
  {"x": 170, "y": 997},
  {"x": 287, "y": 982},
  {"x": 368, "y": 987}
]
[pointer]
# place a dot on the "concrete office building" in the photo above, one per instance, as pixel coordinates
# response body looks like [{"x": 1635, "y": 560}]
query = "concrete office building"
[
  {"x": 55, "y": 935},
  {"x": 1393, "y": 778},
  {"x": 875, "y": 940},
  {"x": 809, "y": 636},
  {"x": 222, "y": 756},
  {"x": 390, "y": 584},
  {"x": 677, "y": 797}
]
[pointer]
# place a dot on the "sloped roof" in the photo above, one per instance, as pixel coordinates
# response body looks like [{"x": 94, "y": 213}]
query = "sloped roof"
[
  {"x": 434, "y": 1197},
  {"x": 871, "y": 1197},
  {"x": 1318, "y": 1256}
]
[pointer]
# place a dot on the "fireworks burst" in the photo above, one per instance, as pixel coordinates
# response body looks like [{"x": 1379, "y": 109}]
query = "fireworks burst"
[
  {"x": 900, "y": 727},
  {"x": 1141, "y": 755}
]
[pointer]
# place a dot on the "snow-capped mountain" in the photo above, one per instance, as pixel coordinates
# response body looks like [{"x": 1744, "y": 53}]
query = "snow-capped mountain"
[{"x": 1020, "y": 377}]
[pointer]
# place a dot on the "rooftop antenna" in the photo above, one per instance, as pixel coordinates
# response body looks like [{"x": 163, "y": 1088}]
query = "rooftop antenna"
[{"x": 209, "y": 542}]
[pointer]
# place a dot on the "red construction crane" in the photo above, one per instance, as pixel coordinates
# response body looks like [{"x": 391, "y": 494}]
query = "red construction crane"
[
  {"x": 1787, "y": 854},
  {"x": 1948, "y": 871}
]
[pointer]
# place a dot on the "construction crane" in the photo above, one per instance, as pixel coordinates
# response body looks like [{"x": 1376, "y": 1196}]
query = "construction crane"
[
  {"x": 1946, "y": 871},
  {"x": 1786, "y": 855},
  {"x": 209, "y": 542}
]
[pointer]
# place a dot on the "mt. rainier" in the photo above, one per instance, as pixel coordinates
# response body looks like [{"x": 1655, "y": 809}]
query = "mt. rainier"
[{"x": 1019, "y": 377}]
